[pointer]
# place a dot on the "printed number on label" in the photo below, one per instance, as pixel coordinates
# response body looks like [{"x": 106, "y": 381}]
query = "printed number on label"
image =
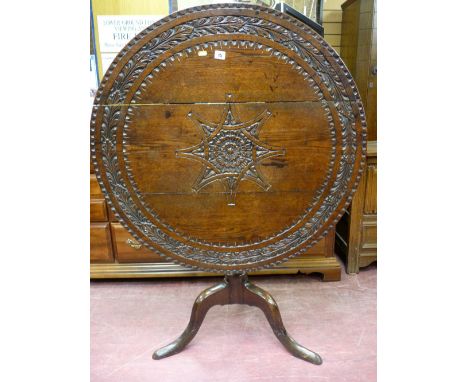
[{"x": 220, "y": 54}]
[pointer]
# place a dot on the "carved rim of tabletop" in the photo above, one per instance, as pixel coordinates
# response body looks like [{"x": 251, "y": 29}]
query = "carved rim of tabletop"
[{"x": 300, "y": 45}]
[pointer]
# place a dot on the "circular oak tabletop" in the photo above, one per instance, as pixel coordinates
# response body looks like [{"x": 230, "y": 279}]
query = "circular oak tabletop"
[{"x": 228, "y": 137}]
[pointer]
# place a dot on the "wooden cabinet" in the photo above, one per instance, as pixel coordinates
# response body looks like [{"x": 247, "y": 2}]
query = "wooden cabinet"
[
  {"x": 98, "y": 210},
  {"x": 359, "y": 52},
  {"x": 129, "y": 250},
  {"x": 101, "y": 244},
  {"x": 100, "y": 237},
  {"x": 114, "y": 253},
  {"x": 356, "y": 238}
]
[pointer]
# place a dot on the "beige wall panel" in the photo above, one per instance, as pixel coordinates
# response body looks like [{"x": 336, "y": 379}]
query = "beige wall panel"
[
  {"x": 332, "y": 28},
  {"x": 332, "y": 4},
  {"x": 332, "y": 16},
  {"x": 333, "y": 40}
]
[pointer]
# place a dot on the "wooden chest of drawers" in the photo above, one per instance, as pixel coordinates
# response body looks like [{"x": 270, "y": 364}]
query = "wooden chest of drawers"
[
  {"x": 100, "y": 236},
  {"x": 356, "y": 239},
  {"x": 356, "y": 232},
  {"x": 114, "y": 253}
]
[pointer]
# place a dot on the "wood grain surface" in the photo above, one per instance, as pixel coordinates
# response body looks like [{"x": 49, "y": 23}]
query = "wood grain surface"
[{"x": 228, "y": 137}]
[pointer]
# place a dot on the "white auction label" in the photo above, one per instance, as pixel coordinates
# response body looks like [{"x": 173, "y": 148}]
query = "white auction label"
[
  {"x": 220, "y": 55},
  {"x": 115, "y": 31}
]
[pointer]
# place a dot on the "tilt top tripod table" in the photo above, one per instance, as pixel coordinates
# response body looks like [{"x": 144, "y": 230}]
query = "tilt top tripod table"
[{"x": 228, "y": 137}]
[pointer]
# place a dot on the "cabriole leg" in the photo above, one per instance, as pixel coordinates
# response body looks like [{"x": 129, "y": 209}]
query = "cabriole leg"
[
  {"x": 208, "y": 298},
  {"x": 237, "y": 289},
  {"x": 263, "y": 300}
]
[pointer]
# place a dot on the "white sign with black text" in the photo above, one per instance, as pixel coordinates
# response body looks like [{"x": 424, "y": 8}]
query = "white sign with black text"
[{"x": 115, "y": 31}]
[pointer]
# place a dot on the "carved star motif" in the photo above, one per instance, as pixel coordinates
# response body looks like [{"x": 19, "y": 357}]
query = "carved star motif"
[{"x": 230, "y": 151}]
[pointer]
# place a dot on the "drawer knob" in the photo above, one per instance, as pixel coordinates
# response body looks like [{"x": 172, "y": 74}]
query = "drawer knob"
[{"x": 133, "y": 244}]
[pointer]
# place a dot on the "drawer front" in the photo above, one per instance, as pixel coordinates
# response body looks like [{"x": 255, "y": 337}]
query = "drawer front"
[
  {"x": 369, "y": 233},
  {"x": 98, "y": 210},
  {"x": 100, "y": 243},
  {"x": 370, "y": 201},
  {"x": 128, "y": 250},
  {"x": 324, "y": 248},
  {"x": 94, "y": 188}
]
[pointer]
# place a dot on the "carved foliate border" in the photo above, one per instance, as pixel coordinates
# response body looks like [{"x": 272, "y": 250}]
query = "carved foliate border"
[{"x": 213, "y": 25}]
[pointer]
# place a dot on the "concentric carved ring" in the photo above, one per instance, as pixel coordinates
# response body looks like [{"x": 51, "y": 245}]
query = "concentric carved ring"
[{"x": 231, "y": 152}]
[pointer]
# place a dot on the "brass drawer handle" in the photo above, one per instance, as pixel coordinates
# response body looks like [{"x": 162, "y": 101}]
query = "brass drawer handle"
[{"x": 133, "y": 244}]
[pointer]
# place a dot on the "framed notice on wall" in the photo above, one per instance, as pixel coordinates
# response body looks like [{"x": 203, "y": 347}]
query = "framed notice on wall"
[{"x": 116, "y": 22}]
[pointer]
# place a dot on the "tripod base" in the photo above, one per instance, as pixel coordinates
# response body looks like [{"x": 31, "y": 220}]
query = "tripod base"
[{"x": 237, "y": 289}]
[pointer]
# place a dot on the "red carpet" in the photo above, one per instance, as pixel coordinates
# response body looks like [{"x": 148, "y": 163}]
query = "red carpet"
[{"x": 131, "y": 319}]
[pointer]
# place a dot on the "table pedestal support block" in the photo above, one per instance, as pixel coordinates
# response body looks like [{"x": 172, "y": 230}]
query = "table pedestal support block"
[{"x": 237, "y": 289}]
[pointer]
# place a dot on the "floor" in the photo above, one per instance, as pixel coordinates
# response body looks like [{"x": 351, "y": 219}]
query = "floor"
[{"x": 130, "y": 319}]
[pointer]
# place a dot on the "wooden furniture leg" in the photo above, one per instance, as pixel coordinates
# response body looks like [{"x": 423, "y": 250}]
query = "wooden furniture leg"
[
  {"x": 237, "y": 289},
  {"x": 208, "y": 298}
]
